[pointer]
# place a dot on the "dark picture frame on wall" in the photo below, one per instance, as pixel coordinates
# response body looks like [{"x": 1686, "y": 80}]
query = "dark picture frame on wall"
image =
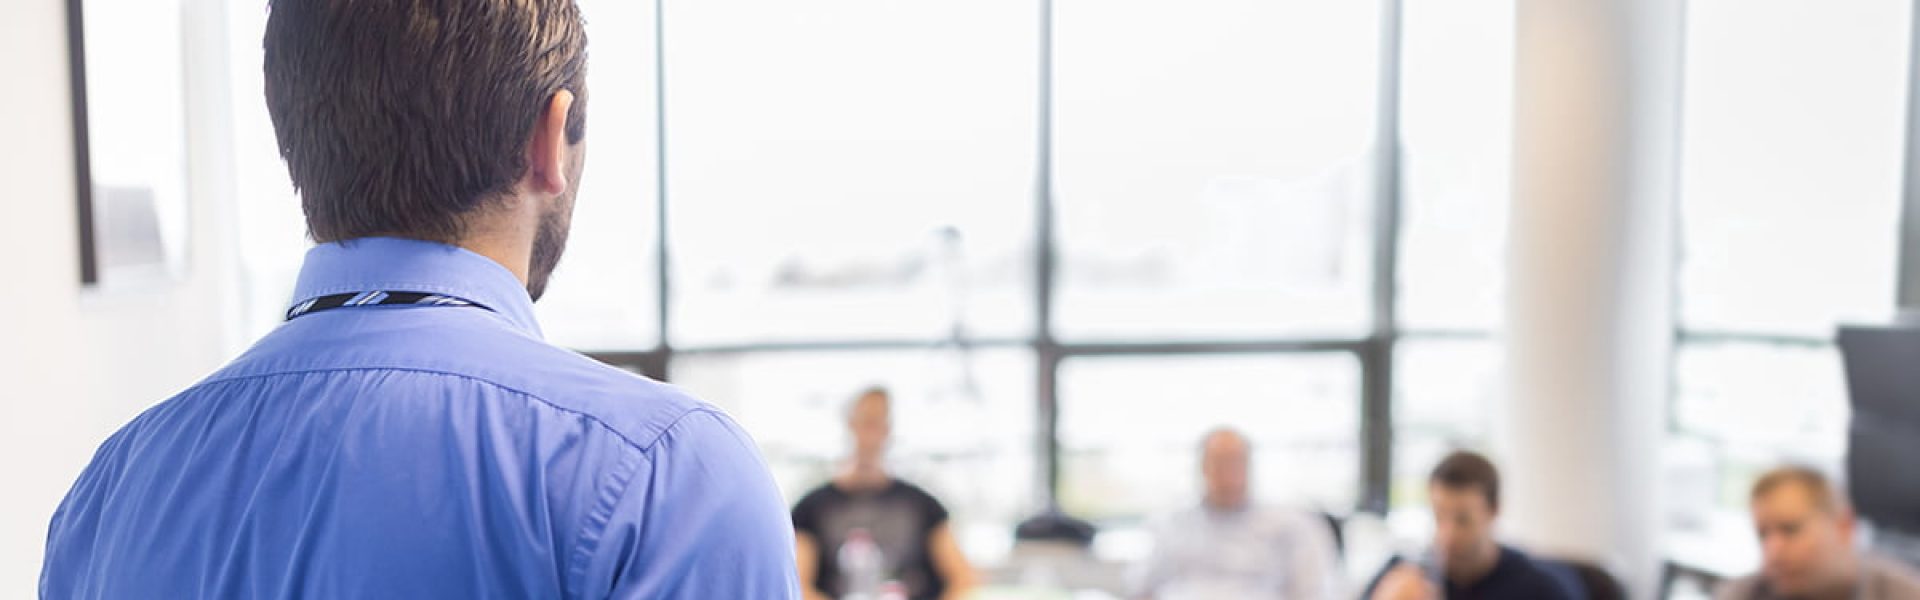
[
  {"x": 82, "y": 165},
  {"x": 129, "y": 140}
]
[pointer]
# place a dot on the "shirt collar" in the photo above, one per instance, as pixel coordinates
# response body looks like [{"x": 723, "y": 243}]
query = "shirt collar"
[{"x": 403, "y": 265}]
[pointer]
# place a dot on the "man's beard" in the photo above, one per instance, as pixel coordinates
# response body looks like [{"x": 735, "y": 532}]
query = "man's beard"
[{"x": 549, "y": 242}]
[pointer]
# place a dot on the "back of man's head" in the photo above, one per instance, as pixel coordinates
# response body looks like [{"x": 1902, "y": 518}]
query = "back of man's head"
[{"x": 400, "y": 117}]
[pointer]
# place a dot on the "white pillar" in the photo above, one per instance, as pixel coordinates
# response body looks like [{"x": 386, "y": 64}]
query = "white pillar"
[{"x": 1590, "y": 273}]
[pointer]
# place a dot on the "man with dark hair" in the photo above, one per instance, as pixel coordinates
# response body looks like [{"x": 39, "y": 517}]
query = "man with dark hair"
[
  {"x": 407, "y": 433},
  {"x": 1806, "y": 527},
  {"x": 1465, "y": 493}
]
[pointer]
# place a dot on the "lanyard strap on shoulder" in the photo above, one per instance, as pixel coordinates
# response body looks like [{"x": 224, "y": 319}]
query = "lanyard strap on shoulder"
[{"x": 374, "y": 298}]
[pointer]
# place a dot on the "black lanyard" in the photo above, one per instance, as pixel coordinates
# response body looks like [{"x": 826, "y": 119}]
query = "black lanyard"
[{"x": 375, "y": 298}]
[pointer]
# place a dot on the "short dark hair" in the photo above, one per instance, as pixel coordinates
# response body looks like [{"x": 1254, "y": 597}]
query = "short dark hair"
[
  {"x": 399, "y": 117},
  {"x": 1463, "y": 469}
]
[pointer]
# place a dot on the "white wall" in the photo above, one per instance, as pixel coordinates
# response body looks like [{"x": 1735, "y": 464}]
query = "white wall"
[{"x": 76, "y": 364}]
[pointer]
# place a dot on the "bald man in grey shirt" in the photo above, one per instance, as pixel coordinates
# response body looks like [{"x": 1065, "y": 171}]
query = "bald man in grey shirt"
[
  {"x": 1806, "y": 529},
  {"x": 1228, "y": 549}
]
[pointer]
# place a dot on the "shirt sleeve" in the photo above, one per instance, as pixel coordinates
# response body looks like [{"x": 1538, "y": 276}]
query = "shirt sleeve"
[
  {"x": 700, "y": 518},
  {"x": 1149, "y": 576},
  {"x": 806, "y": 515},
  {"x": 1378, "y": 577},
  {"x": 1314, "y": 573},
  {"x": 935, "y": 513}
]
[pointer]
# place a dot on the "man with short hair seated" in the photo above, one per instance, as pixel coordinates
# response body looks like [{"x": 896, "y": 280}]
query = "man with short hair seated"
[
  {"x": 1465, "y": 493},
  {"x": 1806, "y": 528}
]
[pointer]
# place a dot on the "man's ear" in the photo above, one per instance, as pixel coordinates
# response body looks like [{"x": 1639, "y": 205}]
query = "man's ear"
[{"x": 547, "y": 151}]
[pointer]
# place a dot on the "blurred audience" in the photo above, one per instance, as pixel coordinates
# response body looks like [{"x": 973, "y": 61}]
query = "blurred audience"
[
  {"x": 1807, "y": 537},
  {"x": 1228, "y": 548},
  {"x": 1465, "y": 561},
  {"x": 867, "y": 534}
]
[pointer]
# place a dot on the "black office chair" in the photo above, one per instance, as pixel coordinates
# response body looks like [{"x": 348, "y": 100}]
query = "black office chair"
[
  {"x": 1339, "y": 534},
  {"x": 1601, "y": 585},
  {"x": 1885, "y": 433},
  {"x": 1055, "y": 526},
  {"x": 1674, "y": 575},
  {"x": 1061, "y": 547},
  {"x": 1588, "y": 578}
]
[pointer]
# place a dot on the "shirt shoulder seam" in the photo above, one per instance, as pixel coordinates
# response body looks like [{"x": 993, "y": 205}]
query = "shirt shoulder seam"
[
  {"x": 602, "y": 423},
  {"x": 594, "y": 529}
]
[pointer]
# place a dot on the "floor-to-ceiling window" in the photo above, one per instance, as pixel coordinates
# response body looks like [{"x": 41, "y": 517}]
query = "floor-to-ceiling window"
[
  {"x": 1793, "y": 125},
  {"x": 1070, "y": 236}
]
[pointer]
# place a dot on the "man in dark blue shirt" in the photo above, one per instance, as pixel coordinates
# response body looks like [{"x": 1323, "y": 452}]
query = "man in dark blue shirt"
[
  {"x": 407, "y": 433},
  {"x": 1465, "y": 493}
]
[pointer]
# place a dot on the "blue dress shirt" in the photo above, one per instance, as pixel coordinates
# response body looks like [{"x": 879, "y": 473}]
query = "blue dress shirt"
[{"x": 414, "y": 451}]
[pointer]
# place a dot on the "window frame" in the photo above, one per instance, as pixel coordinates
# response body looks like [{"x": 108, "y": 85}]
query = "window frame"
[{"x": 1373, "y": 351}]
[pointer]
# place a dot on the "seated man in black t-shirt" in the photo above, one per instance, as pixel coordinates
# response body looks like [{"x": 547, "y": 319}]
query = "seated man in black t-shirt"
[
  {"x": 839, "y": 526},
  {"x": 1465, "y": 493}
]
